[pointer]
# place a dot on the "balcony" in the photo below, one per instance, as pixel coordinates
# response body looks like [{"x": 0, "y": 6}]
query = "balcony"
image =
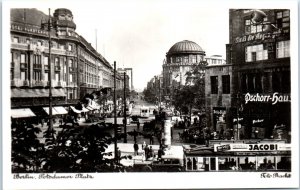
[
  {"x": 61, "y": 84},
  {"x": 46, "y": 67},
  {"x": 38, "y": 83},
  {"x": 25, "y": 83},
  {"x": 37, "y": 66}
]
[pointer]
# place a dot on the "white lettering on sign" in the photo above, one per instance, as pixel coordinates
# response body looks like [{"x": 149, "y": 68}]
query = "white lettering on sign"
[
  {"x": 258, "y": 36},
  {"x": 275, "y": 98},
  {"x": 219, "y": 112},
  {"x": 258, "y": 121}
]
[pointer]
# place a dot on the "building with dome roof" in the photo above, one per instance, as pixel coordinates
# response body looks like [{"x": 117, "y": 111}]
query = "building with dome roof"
[{"x": 179, "y": 60}]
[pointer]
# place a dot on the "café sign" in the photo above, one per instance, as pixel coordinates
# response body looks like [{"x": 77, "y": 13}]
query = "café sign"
[
  {"x": 274, "y": 98},
  {"x": 264, "y": 147}
]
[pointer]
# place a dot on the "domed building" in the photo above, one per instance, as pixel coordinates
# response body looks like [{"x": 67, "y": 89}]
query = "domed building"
[{"x": 179, "y": 60}]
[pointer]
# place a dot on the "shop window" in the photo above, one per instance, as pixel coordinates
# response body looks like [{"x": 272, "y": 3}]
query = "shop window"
[
  {"x": 214, "y": 84},
  {"x": 70, "y": 95},
  {"x": 226, "y": 84},
  {"x": 250, "y": 83},
  {"x": 283, "y": 49},
  {"x": 256, "y": 53}
]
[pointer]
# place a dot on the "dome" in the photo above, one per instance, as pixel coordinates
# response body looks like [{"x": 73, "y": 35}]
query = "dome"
[{"x": 185, "y": 46}]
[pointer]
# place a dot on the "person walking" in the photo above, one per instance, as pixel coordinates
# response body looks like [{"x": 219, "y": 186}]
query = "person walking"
[
  {"x": 146, "y": 152},
  {"x": 136, "y": 149},
  {"x": 138, "y": 125},
  {"x": 151, "y": 138}
]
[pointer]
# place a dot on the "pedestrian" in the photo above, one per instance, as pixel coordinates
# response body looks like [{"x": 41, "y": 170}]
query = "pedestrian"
[
  {"x": 138, "y": 125},
  {"x": 151, "y": 138},
  {"x": 150, "y": 153},
  {"x": 136, "y": 149},
  {"x": 146, "y": 152},
  {"x": 118, "y": 155},
  {"x": 143, "y": 145},
  {"x": 134, "y": 135}
]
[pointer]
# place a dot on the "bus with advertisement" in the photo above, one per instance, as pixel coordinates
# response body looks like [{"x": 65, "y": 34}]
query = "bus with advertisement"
[{"x": 238, "y": 156}]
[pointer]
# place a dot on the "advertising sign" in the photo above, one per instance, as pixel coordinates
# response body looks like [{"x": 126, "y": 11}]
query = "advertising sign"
[{"x": 264, "y": 147}]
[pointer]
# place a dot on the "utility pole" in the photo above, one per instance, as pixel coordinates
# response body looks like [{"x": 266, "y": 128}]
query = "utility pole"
[
  {"x": 125, "y": 120},
  {"x": 115, "y": 115}
]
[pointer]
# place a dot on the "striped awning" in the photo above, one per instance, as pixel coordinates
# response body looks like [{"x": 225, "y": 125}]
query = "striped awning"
[
  {"x": 22, "y": 113},
  {"x": 36, "y": 93}
]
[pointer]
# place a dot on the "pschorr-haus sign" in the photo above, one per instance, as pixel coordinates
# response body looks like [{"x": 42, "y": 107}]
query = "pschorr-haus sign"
[
  {"x": 274, "y": 98},
  {"x": 251, "y": 147}
]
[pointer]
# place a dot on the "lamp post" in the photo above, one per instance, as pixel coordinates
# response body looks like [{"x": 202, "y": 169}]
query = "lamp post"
[
  {"x": 125, "y": 120},
  {"x": 49, "y": 25},
  {"x": 115, "y": 115}
]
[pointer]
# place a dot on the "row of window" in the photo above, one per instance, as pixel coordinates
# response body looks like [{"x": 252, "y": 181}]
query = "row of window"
[
  {"x": 37, "y": 76},
  {"x": 215, "y": 84},
  {"x": 261, "y": 51},
  {"x": 185, "y": 59},
  {"x": 282, "y": 21},
  {"x": 266, "y": 82},
  {"x": 16, "y": 39}
]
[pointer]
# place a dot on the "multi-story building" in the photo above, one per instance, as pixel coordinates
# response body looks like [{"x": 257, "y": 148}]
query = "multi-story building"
[
  {"x": 77, "y": 68},
  {"x": 218, "y": 88},
  {"x": 129, "y": 73},
  {"x": 180, "y": 59},
  {"x": 259, "y": 51}
]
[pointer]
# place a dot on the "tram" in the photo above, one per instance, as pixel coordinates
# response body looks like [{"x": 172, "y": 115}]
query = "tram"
[{"x": 237, "y": 156}]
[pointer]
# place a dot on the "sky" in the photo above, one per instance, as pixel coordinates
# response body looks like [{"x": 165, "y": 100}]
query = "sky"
[{"x": 138, "y": 34}]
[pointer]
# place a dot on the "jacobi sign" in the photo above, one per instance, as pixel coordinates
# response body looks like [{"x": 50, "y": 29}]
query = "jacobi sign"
[
  {"x": 274, "y": 98},
  {"x": 251, "y": 147}
]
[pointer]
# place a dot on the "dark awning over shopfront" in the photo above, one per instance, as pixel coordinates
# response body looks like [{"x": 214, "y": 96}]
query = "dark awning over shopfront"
[
  {"x": 22, "y": 113},
  {"x": 36, "y": 93}
]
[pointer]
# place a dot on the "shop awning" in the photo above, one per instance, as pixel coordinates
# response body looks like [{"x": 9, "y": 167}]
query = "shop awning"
[
  {"x": 22, "y": 113},
  {"x": 36, "y": 93},
  {"x": 54, "y": 112},
  {"x": 84, "y": 109},
  {"x": 75, "y": 110},
  {"x": 60, "y": 110}
]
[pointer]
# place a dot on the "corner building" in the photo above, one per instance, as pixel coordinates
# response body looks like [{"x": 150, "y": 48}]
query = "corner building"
[
  {"x": 259, "y": 51},
  {"x": 76, "y": 67}
]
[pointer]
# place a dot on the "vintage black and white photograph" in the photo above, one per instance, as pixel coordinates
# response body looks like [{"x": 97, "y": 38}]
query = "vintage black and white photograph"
[{"x": 119, "y": 94}]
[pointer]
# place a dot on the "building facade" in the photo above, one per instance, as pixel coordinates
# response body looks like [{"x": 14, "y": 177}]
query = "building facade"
[
  {"x": 259, "y": 51},
  {"x": 180, "y": 59},
  {"x": 76, "y": 67}
]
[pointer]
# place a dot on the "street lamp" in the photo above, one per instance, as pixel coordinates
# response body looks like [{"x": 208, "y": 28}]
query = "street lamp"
[{"x": 49, "y": 25}]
